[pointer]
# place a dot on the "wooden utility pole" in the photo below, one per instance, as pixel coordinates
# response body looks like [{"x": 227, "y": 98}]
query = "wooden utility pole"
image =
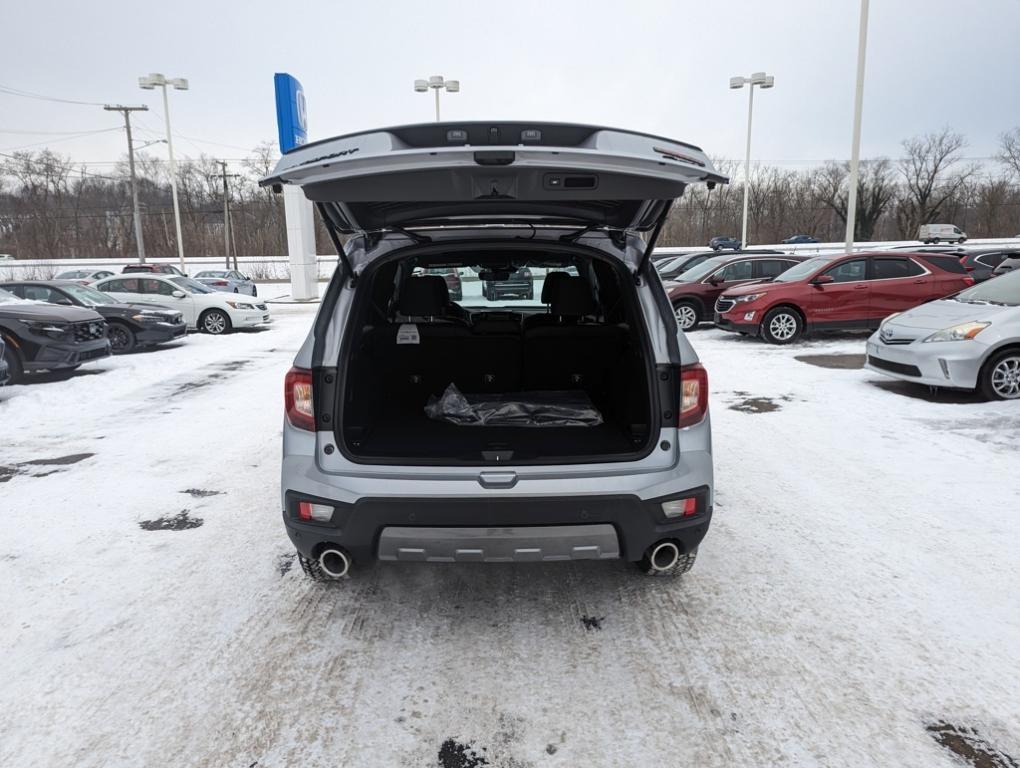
[
  {"x": 126, "y": 111},
  {"x": 226, "y": 215}
]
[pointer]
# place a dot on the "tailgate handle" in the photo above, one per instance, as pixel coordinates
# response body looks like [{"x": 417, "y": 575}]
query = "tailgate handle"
[
  {"x": 494, "y": 157},
  {"x": 497, "y": 479}
]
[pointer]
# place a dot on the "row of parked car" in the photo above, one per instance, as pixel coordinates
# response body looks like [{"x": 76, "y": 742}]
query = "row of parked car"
[
  {"x": 915, "y": 300},
  {"x": 80, "y": 316}
]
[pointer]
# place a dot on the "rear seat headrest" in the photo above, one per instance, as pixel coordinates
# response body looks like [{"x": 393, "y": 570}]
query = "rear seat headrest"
[
  {"x": 572, "y": 298},
  {"x": 549, "y": 285},
  {"x": 425, "y": 296}
]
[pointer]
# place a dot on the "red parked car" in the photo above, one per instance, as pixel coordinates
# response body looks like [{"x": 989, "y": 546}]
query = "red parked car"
[
  {"x": 839, "y": 292},
  {"x": 693, "y": 293}
]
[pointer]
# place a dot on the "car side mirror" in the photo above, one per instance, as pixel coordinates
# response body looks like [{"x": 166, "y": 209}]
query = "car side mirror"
[
  {"x": 823, "y": 280},
  {"x": 64, "y": 302},
  {"x": 178, "y": 294},
  {"x": 716, "y": 279}
]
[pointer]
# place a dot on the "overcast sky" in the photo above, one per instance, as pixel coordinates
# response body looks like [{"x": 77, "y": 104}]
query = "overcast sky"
[{"x": 660, "y": 67}]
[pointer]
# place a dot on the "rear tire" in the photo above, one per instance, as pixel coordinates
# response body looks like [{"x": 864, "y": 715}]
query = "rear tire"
[
  {"x": 683, "y": 564},
  {"x": 1000, "y": 376},
  {"x": 14, "y": 367},
  {"x": 214, "y": 321},
  {"x": 122, "y": 339},
  {"x": 688, "y": 315},
  {"x": 782, "y": 325}
]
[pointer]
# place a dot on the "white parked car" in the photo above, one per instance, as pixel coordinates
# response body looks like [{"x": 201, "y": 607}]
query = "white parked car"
[
  {"x": 84, "y": 276},
  {"x": 203, "y": 308},
  {"x": 941, "y": 233},
  {"x": 227, "y": 280}
]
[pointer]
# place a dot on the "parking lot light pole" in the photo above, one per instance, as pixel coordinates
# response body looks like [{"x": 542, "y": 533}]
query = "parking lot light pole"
[
  {"x": 855, "y": 149},
  {"x": 153, "y": 81},
  {"x": 126, "y": 111},
  {"x": 762, "y": 81},
  {"x": 437, "y": 83}
]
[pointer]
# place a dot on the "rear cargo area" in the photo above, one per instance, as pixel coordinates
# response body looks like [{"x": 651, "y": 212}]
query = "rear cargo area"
[{"x": 412, "y": 343}]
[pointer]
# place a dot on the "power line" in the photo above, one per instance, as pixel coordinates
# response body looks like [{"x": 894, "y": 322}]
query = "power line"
[
  {"x": 70, "y": 137},
  {"x": 31, "y": 95}
]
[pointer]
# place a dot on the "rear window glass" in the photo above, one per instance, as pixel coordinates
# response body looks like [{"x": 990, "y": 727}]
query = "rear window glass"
[
  {"x": 946, "y": 263},
  {"x": 890, "y": 269}
]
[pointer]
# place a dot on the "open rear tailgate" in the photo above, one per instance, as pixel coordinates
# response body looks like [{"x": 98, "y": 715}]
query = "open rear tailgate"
[{"x": 487, "y": 173}]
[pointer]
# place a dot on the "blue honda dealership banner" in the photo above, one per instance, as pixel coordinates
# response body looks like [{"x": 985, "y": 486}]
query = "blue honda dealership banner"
[{"x": 291, "y": 116}]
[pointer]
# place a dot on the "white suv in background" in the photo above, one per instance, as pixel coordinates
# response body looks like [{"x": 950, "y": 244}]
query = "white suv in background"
[{"x": 203, "y": 308}]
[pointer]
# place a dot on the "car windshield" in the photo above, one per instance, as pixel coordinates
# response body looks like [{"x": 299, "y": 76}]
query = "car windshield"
[
  {"x": 73, "y": 274},
  {"x": 190, "y": 286},
  {"x": 90, "y": 297},
  {"x": 1003, "y": 291},
  {"x": 703, "y": 270},
  {"x": 668, "y": 265},
  {"x": 802, "y": 270},
  {"x": 6, "y": 297}
]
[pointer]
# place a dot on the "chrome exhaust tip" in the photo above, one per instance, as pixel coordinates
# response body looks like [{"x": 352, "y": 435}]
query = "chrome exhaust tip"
[
  {"x": 663, "y": 556},
  {"x": 335, "y": 563}
]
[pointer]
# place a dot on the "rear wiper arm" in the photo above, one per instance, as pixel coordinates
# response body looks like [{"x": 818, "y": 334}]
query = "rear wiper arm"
[
  {"x": 416, "y": 236},
  {"x": 573, "y": 237}
]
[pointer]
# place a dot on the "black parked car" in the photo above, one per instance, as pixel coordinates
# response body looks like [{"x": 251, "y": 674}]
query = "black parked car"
[
  {"x": 129, "y": 326},
  {"x": 1008, "y": 264},
  {"x": 982, "y": 264},
  {"x": 724, "y": 242},
  {"x": 799, "y": 239},
  {"x": 520, "y": 284},
  {"x": 45, "y": 337}
]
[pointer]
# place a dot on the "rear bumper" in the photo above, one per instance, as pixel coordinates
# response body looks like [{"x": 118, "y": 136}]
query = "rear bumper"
[{"x": 492, "y": 529}]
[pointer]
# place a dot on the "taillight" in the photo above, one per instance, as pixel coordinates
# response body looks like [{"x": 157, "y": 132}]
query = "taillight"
[
  {"x": 968, "y": 280},
  {"x": 308, "y": 510},
  {"x": 693, "y": 395},
  {"x": 297, "y": 399},
  {"x": 220, "y": 282}
]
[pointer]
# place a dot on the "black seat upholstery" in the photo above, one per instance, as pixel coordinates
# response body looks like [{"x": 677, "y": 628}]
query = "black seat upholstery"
[
  {"x": 552, "y": 279},
  {"x": 572, "y": 352}
]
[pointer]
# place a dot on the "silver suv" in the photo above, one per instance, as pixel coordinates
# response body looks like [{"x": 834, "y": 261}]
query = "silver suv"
[{"x": 572, "y": 425}]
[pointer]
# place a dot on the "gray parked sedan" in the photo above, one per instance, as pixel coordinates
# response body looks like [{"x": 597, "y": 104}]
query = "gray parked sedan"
[
  {"x": 229, "y": 280},
  {"x": 967, "y": 341}
]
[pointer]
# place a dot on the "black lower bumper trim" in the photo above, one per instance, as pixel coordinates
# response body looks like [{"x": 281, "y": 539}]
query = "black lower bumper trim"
[
  {"x": 900, "y": 368},
  {"x": 357, "y": 527}
]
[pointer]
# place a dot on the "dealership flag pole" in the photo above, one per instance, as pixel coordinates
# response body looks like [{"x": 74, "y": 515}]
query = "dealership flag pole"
[{"x": 855, "y": 152}]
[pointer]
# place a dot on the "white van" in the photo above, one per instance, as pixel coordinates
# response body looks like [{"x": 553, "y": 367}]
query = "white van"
[{"x": 936, "y": 233}]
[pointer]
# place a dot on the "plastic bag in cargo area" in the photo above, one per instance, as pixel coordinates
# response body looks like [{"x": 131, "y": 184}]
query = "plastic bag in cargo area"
[{"x": 520, "y": 409}]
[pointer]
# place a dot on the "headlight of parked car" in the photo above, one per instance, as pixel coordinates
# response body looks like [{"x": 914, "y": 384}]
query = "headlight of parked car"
[
  {"x": 240, "y": 305},
  {"x": 750, "y": 297},
  {"x": 147, "y": 317},
  {"x": 53, "y": 330},
  {"x": 963, "y": 332}
]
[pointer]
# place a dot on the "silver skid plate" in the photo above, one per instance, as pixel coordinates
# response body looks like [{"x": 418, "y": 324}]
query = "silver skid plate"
[{"x": 500, "y": 545}]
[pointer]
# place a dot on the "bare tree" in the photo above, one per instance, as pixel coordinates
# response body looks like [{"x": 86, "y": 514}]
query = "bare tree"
[
  {"x": 875, "y": 191},
  {"x": 932, "y": 174},
  {"x": 1009, "y": 151}
]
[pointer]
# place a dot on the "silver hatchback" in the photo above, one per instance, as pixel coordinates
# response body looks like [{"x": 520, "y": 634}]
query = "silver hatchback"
[
  {"x": 422, "y": 428},
  {"x": 967, "y": 341}
]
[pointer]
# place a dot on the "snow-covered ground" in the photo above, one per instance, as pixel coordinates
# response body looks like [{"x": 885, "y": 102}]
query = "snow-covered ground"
[{"x": 859, "y": 585}]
